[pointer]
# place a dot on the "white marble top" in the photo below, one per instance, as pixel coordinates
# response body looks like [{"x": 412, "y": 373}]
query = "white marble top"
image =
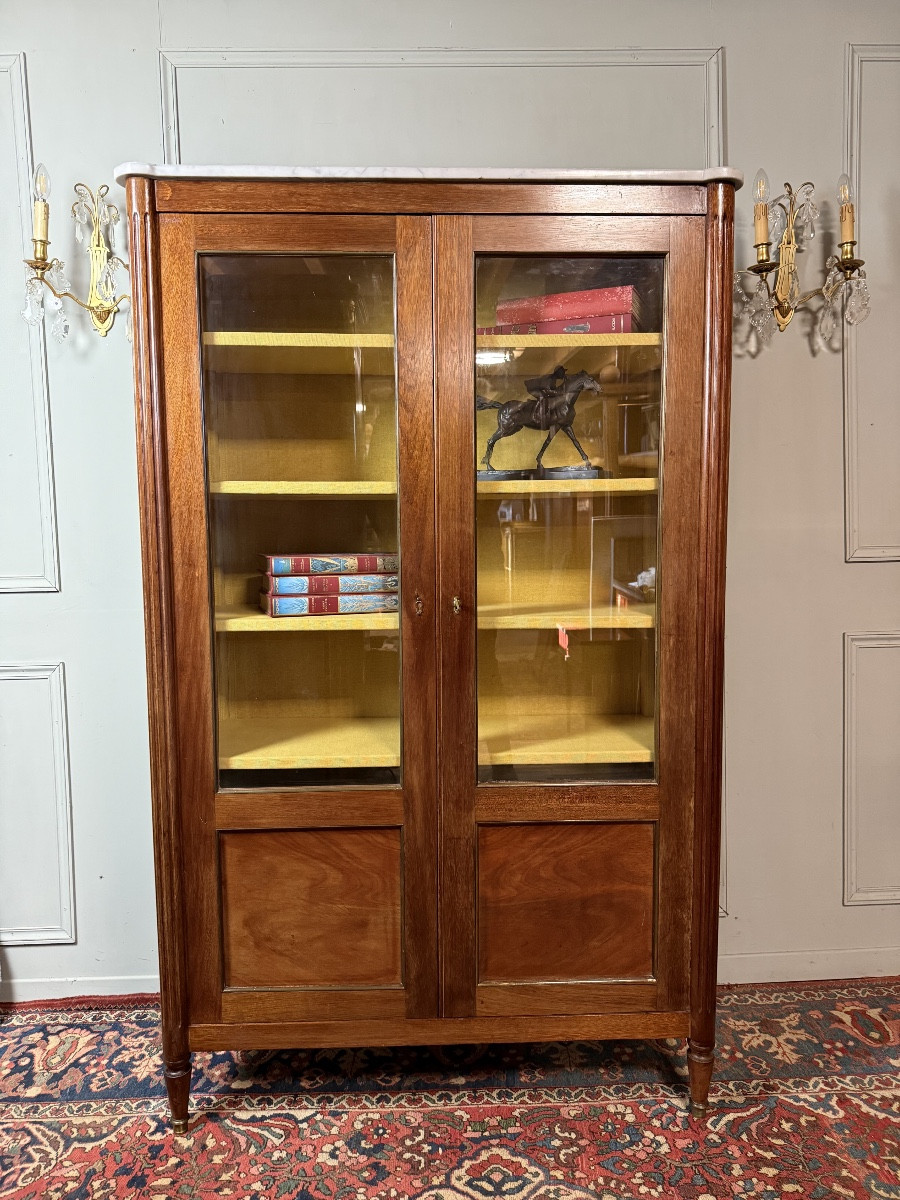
[{"x": 531, "y": 174}]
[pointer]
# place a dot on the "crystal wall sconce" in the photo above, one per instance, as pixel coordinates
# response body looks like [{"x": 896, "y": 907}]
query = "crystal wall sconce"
[
  {"x": 787, "y": 221},
  {"x": 46, "y": 285}
]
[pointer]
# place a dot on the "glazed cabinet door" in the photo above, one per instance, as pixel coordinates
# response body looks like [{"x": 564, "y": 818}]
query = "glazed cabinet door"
[
  {"x": 297, "y": 383},
  {"x": 569, "y": 401}
]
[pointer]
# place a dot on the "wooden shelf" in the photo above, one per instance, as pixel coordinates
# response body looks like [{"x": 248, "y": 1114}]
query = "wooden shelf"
[
  {"x": 541, "y": 739},
  {"x": 262, "y": 743},
  {"x": 298, "y": 353},
  {"x": 527, "y": 487},
  {"x": 246, "y": 619},
  {"x": 537, "y": 616},
  {"x": 574, "y": 341},
  {"x": 304, "y": 487},
  {"x": 539, "y": 353}
]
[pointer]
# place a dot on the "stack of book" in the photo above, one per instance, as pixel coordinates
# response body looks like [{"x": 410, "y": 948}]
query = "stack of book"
[
  {"x": 304, "y": 585},
  {"x": 598, "y": 310}
]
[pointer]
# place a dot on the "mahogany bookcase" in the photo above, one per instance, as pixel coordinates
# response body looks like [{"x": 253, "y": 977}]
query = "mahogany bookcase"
[{"x": 493, "y": 813}]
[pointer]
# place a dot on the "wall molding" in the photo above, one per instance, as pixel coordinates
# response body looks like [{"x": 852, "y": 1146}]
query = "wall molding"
[
  {"x": 12, "y": 72},
  {"x": 64, "y": 930},
  {"x": 855, "y": 551},
  {"x": 709, "y": 61},
  {"x": 854, "y": 894}
]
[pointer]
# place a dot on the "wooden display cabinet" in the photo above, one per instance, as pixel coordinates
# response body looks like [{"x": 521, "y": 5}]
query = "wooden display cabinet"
[{"x": 489, "y": 810}]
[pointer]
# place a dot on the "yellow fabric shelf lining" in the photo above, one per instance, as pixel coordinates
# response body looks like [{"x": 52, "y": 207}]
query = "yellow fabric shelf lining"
[
  {"x": 304, "y": 487},
  {"x": 525, "y": 487},
  {"x": 262, "y": 743},
  {"x": 246, "y": 619},
  {"x": 522, "y": 737},
  {"x": 536, "y": 616},
  {"x": 538, "y": 341}
]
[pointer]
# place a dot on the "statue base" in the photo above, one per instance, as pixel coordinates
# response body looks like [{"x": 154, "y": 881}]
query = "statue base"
[
  {"x": 503, "y": 476},
  {"x": 581, "y": 472}
]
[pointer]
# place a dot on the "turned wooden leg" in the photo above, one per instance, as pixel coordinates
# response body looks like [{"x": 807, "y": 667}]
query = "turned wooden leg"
[
  {"x": 701, "y": 1060},
  {"x": 178, "y": 1086}
]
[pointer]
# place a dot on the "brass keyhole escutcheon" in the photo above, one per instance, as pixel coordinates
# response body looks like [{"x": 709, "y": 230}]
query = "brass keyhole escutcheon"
[
  {"x": 457, "y": 606},
  {"x": 420, "y": 605}
]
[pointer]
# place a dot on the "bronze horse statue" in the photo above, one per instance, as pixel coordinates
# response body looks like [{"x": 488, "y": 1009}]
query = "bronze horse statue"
[{"x": 551, "y": 406}]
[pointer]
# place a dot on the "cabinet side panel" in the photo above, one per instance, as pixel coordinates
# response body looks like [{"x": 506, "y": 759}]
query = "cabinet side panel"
[
  {"x": 149, "y": 419},
  {"x": 711, "y": 616},
  {"x": 185, "y": 454}
]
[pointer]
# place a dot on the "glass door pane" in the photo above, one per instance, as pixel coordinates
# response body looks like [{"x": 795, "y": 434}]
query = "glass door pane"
[
  {"x": 569, "y": 423},
  {"x": 300, "y": 408}
]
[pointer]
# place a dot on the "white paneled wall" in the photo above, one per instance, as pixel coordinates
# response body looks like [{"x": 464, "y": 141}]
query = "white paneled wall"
[
  {"x": 415, "y": 106},
  {"x": 872, "y": 768},
  {"x": 811, "y": 807},
  {"x": 37, "y": 898},
  {"x": 28, "y": 559},
  {"x": 872, "y": 361}
]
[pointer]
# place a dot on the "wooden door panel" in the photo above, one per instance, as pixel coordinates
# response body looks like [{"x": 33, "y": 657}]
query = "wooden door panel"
[
  {"x": 565, "y": 902},
  {"x": 312, "y": 908}
]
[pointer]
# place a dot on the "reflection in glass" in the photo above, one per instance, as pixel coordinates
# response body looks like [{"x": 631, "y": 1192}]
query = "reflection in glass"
[
  {"x": 301, "y": 416},
  {"x": 568, "y": 394}
]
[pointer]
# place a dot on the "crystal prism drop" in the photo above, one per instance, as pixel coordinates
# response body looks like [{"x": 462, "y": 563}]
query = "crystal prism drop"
[
  {"x": 857, "y": 307},
  {"x": 777, "y": 222},
  {"x": 60, "y": 327},
  {"x": 33, "y": 312},
  {"x": 826, "y": 323},
  {"x": 57, "y": 277}
]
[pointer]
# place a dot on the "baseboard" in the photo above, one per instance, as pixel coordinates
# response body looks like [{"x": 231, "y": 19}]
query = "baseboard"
[
  {"x": 15, "y": 990},
  {"x": 792, "y": 965},
  {"x": 765, "y": 967}
]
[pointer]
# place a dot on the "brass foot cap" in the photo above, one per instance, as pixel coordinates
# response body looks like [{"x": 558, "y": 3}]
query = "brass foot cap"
[
  {"x": 179, "y": 1126},
  {"x": 698, "y": 1109}
]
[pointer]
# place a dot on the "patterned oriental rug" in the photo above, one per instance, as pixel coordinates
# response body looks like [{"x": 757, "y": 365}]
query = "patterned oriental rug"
[{"x": 805, "y": 1103}]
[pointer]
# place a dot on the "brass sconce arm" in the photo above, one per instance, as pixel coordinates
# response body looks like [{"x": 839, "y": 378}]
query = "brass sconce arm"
[{"x": 41, "y": 268}]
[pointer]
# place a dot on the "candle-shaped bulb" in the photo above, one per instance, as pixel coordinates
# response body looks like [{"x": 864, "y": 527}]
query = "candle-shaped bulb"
[
  {"x": 761, "y": 187},
  {"x": 761, "y": 208},
  {"x": 847, "y": 215},
  {"x": 41, "y": 183},
  {"x": 40, "y": 235}
]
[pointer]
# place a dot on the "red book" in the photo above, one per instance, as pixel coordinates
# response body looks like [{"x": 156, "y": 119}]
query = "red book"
[
  {"x": 611, "y": 323},
  {"x": 327, "y": 564},
  {"x": 308, "y": 606},
  {"x": 596, "y": 302}
]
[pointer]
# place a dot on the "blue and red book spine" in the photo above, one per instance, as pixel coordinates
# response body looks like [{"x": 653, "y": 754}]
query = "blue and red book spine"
[
  {"x": 339, "y": 604},
  {"x": 328, "y": 564},
  {"x": 328, "y": 585}
]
